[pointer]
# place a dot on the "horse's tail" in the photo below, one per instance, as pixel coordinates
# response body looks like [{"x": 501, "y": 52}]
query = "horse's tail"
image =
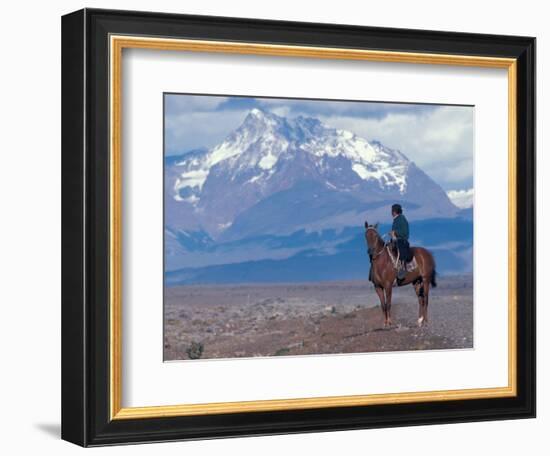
[
  {"x": 429, "y": 261},
  {"x": 433, "y": 283},
  {"x": 432, "y": 279}
]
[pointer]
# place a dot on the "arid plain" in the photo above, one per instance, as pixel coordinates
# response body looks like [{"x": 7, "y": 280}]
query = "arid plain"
[{"x": 235, "y": 321}]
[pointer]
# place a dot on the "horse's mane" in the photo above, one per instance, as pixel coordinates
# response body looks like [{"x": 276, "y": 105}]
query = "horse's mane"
[{"x": 375, "y": 229}]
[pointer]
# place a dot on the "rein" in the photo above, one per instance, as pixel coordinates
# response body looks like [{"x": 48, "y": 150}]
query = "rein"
[{"x": 377, "y": 254}]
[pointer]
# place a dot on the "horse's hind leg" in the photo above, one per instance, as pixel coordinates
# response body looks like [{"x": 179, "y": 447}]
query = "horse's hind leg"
[
  {"x": 382, "y": 297},
  {"x": 388, "y": 306},
  {"x": 426, "y": 299},
  {"x": 419, "y": 289},
  {"x": 426, "y": 286}
]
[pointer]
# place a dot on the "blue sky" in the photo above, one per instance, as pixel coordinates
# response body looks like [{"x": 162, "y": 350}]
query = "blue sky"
[{"x": 438, "y": 138}]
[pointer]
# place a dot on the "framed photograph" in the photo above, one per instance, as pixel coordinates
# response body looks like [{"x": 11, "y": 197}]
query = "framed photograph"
[{"x": 279, "y": 227}]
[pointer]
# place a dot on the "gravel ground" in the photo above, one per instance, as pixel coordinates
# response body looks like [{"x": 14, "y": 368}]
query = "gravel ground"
[{"x": 311, "y": 318}]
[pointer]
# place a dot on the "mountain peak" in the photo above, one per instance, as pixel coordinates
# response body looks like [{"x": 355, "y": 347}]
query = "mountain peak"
[
  {"x": 260, "y": 115},
  {"x": 257, "y": 112},
  {"x": 310, "y": 124},
  {"x": 268, "y": 152},
  {"x": 295, "y": 129}
]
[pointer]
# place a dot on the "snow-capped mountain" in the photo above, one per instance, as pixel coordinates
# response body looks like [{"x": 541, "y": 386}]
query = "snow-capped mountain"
[
  {"x": 274, "y": 174},
  {"x": 264, "y": 139}
]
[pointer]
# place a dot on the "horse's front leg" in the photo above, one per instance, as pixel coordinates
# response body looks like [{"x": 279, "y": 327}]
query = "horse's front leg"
[
  {"x": 388, "y": 291},
  {"x": 380, "y": 293}
]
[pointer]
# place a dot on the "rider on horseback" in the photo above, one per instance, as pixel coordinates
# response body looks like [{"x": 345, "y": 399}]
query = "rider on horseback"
[{"x": 400, "y": 235}]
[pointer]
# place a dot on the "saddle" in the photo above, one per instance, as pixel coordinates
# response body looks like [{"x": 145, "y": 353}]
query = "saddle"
[{"x": 410, "y": 261}]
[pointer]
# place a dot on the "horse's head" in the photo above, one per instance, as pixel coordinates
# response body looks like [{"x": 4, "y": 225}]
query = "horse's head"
[{"x": 372, "y": 237}]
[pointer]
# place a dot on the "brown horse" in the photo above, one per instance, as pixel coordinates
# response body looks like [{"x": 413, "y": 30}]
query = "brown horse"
[{"x": 384, "y": 274}]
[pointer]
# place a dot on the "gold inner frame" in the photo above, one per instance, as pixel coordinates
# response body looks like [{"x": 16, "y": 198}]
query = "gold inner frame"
[{"x": 117, "y": 44}]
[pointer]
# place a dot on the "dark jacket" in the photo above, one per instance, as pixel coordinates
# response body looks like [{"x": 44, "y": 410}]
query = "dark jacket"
[{"x": 401, "y": 227}]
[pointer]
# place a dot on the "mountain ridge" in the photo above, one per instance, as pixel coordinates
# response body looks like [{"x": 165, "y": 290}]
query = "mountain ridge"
[
  {"x": 328, "y": 255},
  {"x": 209, "y": 189}
]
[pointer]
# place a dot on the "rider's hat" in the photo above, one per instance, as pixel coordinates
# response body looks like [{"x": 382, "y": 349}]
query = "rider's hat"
[{"x": 397, "y": 208}]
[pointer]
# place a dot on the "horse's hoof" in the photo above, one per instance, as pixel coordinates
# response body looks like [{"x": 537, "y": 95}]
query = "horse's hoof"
[{"x": 420, "y": 322}]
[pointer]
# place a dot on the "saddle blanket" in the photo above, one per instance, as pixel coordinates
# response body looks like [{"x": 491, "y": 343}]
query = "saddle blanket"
[{"x": 411, "y": 265}]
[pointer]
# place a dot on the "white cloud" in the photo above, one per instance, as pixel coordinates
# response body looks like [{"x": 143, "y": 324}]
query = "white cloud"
[
  {"x": 462, "y": 198},
  {"x": 282, "y": 110},
  {"x": 439, "y": 141}
]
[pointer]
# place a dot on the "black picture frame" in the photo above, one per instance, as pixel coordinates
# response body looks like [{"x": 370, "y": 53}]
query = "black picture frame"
[{"x": 85, "y": 227}]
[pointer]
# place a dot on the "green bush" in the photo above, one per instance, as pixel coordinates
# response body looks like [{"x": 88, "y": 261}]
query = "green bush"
[{"x": 195, "y": 350}]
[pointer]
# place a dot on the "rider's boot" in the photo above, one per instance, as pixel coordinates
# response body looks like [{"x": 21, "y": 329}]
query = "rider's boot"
[{"x": 402, "y": 271}]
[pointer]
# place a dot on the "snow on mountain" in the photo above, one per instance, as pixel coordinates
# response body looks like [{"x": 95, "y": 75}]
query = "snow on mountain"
[
  {"x": 269, "y": 154},
  {"x": 462, "y": 199},
  {"x": 264, "y": 138}
]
